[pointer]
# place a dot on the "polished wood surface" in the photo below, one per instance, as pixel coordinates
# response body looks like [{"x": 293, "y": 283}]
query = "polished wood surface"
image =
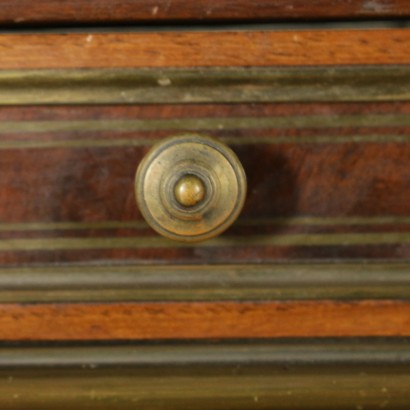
[
  {"x": 325, "y": 181},
  {"x": 204, "y": 320},
  {"x": 320, "y": 121},
  {"x": 26, "y": 12},
  {"x": 205, "y": 49},
  {"x": 302, "y": 303}
]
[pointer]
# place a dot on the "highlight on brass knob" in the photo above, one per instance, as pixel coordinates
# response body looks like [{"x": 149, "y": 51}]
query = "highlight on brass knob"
[{"x": 190, "y": 187}]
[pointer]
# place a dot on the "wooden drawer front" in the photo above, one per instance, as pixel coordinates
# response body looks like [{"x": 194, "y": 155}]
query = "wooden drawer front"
[
  {"x": 326, "y": 180},
  {"x": 320, "y": 121},
  {"x": 302, "y": 303}
]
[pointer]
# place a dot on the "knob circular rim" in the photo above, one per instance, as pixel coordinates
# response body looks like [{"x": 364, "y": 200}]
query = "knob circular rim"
[{"x": 190, "y": 187}]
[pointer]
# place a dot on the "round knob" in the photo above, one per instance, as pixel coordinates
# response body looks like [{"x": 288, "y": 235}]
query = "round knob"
[{"x": 190, "y": 188}]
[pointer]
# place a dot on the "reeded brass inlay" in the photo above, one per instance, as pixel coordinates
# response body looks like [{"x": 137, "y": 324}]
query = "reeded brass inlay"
[
  {"x": 205, "y": 85},
  {"x": 190, "y": 188}
]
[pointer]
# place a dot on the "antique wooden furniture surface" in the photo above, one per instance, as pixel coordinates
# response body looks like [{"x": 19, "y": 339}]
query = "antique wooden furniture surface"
[
  {"x": 71, "y": 12},
  {"x": 302, "y": 304}
]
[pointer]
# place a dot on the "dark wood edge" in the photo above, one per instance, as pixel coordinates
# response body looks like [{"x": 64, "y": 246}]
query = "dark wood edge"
[{"x": 26, "y": 12}]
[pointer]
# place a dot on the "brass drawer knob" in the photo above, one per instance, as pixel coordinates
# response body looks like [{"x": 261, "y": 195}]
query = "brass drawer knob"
[{"x": 190, "y": 188}]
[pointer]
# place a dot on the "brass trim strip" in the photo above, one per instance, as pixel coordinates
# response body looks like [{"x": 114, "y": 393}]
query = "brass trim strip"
[
  {"x": 245, "y": 353},
  {"x": 196, "y": 124},
  {"x": 210, "y": 85},
  {"x": 345, "y": 239},
  {"x": 293, "y": 221},
  {"x": 67, "y": 226},
  {"x": 318, "y": 139},
  {"x": 140, "y": 142},
  {"x": 350, "y": 281},
  {"x": 276, "y": 375},
  {"x": 312, "y": 220}
]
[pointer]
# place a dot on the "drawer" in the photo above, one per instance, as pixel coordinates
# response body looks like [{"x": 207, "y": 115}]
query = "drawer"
[
  {"x": 307, "y": 291},
  {"x": 322, "y": 136}
]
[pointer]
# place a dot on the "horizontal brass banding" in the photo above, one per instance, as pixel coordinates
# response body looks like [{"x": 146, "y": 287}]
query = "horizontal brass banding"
[
  {"x": 208, "y": 375},
  {"x": 196, "y": 124},
  {"x": 268, "y": 354},
  {"x": 204, "y": 85},
  {"x": 350, "y": 281},
  {"x": 132, "y": 224},
  {"x": 345, "y": 239},
  {"x": 69, "y": 134},
  {"x": 198, "y": 110},
  {"x": 141, "y": 142}
]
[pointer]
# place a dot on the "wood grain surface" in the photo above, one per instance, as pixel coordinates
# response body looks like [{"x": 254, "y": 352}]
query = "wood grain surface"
[
  {"x": 329, "y": 181},
  {"x": 26, "y": 12},
  {"x": 326, "y": 180},
  {"x": 205, "y": 49},
  {"x": 203, "y": 320}
]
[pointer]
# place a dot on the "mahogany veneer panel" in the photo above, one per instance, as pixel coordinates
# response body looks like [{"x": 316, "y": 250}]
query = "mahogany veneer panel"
[
  {"x": 205, "y": 49},
  {"x": 325, "y": 180},
  {"x": 23, "y": 12},
  {"x": 328, "y": 182}
]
